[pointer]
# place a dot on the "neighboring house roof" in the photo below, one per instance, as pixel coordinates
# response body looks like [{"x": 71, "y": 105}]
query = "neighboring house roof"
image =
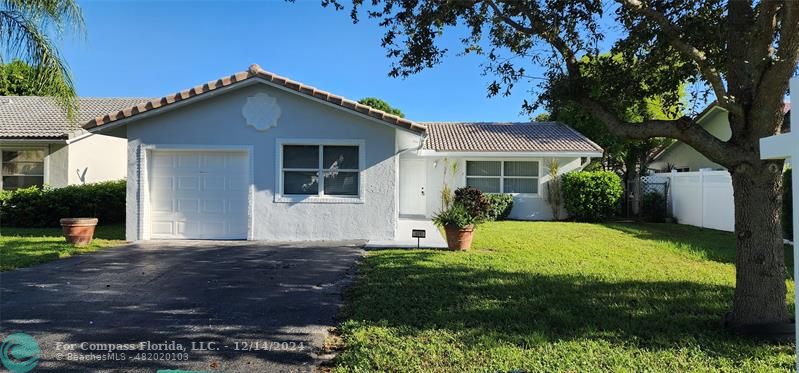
[
  {"x": 254, "y": 71},
  {"x": 506, "y": 137},
  {"x": 35, "y": 117}
]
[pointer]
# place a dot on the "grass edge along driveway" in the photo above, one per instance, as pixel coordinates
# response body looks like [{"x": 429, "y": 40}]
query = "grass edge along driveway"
[
  {"x": 24, "y": 247},
  {"x": 544, "y": 296}
]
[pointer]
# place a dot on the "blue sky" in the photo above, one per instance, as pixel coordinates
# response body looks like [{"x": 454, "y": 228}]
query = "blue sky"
[{"x": 152, "y": 49}]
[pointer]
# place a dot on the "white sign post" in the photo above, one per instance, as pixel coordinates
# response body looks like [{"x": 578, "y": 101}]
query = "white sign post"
[{"x": 786, "y": 146}]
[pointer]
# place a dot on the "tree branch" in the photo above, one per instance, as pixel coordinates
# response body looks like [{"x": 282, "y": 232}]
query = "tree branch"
[
  {"x": 683, "y": 129},
  {"x": 765, "y": 27},
  {"x": 672, "y": 32},
  {"x": 537, "y": 28},
  {"x": 774, "y": 82}
]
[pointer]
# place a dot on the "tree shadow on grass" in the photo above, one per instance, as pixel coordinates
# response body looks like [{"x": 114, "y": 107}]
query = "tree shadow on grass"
[
  {"x": 403, "y": 290},
  {"x": 715, "y": 245}
]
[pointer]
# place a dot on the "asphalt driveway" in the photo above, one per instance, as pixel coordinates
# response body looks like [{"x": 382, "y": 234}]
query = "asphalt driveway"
[{"x": 194, "y": 305}]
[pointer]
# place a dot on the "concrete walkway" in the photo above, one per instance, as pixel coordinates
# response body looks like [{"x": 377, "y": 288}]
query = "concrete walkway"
[{"x": 434, "y": 239}]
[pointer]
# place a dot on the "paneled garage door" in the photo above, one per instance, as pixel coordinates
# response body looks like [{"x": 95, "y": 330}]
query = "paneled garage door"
[{"x": 198, "y": 194}]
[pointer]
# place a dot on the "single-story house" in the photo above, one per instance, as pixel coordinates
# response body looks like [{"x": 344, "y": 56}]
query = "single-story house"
[
  {"x": 40, "y": 146},
  {"x": 682, "y": 157},
  {"x": 258, "y": 156}
]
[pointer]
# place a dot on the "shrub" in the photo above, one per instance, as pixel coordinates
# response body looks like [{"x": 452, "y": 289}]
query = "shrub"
[
  {"x": 457, "y": 216},
  {"x": 653, "y": 207},
  {"x": 500, "y": 206},
  {"x": 787, "y": 205},
  {"x": 474, "y": 201},
  {"x": 591, "y": 196},
  {"x": 43, "y": 207}
]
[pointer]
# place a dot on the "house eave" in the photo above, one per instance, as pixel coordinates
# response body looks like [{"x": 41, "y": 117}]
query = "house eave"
[
  {"x": 235, "y": 86},
  {"x": 32, "y": 140},
  {"x": 513, "y": 154}
]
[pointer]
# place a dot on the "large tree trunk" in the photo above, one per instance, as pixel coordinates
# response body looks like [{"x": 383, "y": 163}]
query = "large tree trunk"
[{"x": 760, "y": 256}]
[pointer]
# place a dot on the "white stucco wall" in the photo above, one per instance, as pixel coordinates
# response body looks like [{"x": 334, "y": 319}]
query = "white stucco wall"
[
  {"x": 524, "y": 207},
  {"x": 219, "y": 121},
  {"x": 97, "y": 158}
]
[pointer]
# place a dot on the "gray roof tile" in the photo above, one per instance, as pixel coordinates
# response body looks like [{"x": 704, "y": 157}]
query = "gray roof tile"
[
  {"x": 506, "y": 137},
  {"x": 35, "y": 117}
]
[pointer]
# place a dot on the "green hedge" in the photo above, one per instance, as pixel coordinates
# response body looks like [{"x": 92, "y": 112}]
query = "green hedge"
[
  {"x": 37, "y": 207},
  {"x": 501, "y": 204},
  {"x": 787, "y": 206},
  {"x": 591, "y": 196}
]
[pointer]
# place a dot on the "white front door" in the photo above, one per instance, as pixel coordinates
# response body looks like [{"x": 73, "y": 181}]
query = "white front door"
[
  {"x": 413, "y": 178},
  {"x": 198, "y": 194}
]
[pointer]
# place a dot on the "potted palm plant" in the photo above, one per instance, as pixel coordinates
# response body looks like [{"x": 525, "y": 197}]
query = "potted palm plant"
[
  {"x": 458, "y": 225},
  {"x": 469, "y": 208}
]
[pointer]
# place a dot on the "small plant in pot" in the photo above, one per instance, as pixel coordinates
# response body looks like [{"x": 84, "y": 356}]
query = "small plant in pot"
[{"x": 469, "y": 208}]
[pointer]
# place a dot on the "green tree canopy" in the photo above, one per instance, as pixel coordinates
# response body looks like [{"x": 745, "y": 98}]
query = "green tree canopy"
[
  {"x": 25, "y": 25},
  {"x": 379, "y": 104},
  {"x": 626, "y": 157},
  {"x": 17, "y": 78}
]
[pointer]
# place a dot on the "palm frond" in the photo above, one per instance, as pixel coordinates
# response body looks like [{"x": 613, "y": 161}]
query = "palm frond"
[{"x": 23, "y": 24}]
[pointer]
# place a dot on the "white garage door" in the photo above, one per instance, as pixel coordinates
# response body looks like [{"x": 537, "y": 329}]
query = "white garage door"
[{"x": 198, "y": 194}]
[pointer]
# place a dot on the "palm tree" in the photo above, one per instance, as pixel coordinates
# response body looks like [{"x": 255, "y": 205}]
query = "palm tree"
[{"x": 24, "y": 25}]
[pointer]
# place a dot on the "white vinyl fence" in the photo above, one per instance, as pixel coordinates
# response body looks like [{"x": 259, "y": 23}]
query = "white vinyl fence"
[{"x": 703, "y": 199}]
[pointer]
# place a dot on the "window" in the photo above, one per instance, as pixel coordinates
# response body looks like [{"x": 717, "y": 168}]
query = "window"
[
  {"x": 503, "y": 176},
  {"x": 22, "y": 168},
  {"x": 338, "y": 165}
]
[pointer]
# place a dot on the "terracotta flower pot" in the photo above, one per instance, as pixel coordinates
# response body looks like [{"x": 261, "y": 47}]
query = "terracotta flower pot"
[
  {"x": 78, "y": 231},
  {"x": 459, "y": 238}
]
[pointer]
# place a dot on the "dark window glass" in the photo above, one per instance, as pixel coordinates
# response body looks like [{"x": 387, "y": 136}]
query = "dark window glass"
[
  {"x": 15, "y": 182},
  {"x": 301, "y": 156},
  {"x": 340, "y": 158},
  {"x": 341, "y": 183},
  {"x": 300, "y": 182}
]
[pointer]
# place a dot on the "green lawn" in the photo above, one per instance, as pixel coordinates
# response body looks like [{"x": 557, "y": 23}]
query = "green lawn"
[
  {"x": 24, "y": 247},
  {"x": 563, "y": 297}
]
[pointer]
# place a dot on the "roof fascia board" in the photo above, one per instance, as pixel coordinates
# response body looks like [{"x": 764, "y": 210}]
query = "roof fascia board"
[
  {"x": 433, "y": 153},
  {"x": 238, "y": 85},
  {"x": 169, "y": 107},
  {"x": 33, "y": 141},
  {"x": 712, "y": 110}
]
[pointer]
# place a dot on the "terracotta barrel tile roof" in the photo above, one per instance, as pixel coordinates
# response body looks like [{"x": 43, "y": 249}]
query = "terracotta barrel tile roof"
[
  {"x": 255, "y": 71},
  {"x": 506, "y": 137},
  {"x": 34, "y": 117}
]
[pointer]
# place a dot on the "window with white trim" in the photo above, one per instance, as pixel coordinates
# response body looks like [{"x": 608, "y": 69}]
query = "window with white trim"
[
  {"x": 23, "y": 168},
  {"x": 503, "y": 176},
  {"x": 338, "y": 165}
]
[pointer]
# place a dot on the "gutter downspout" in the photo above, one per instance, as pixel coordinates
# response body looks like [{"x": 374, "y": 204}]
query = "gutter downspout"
[{"x": 584, "y": 165}]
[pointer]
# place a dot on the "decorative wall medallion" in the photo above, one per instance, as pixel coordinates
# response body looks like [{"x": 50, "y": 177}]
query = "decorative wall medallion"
[{"x": 261, "y": 111}]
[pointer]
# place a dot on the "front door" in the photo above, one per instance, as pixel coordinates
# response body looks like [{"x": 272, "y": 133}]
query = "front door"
[{"x": 413, "y": 178}]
